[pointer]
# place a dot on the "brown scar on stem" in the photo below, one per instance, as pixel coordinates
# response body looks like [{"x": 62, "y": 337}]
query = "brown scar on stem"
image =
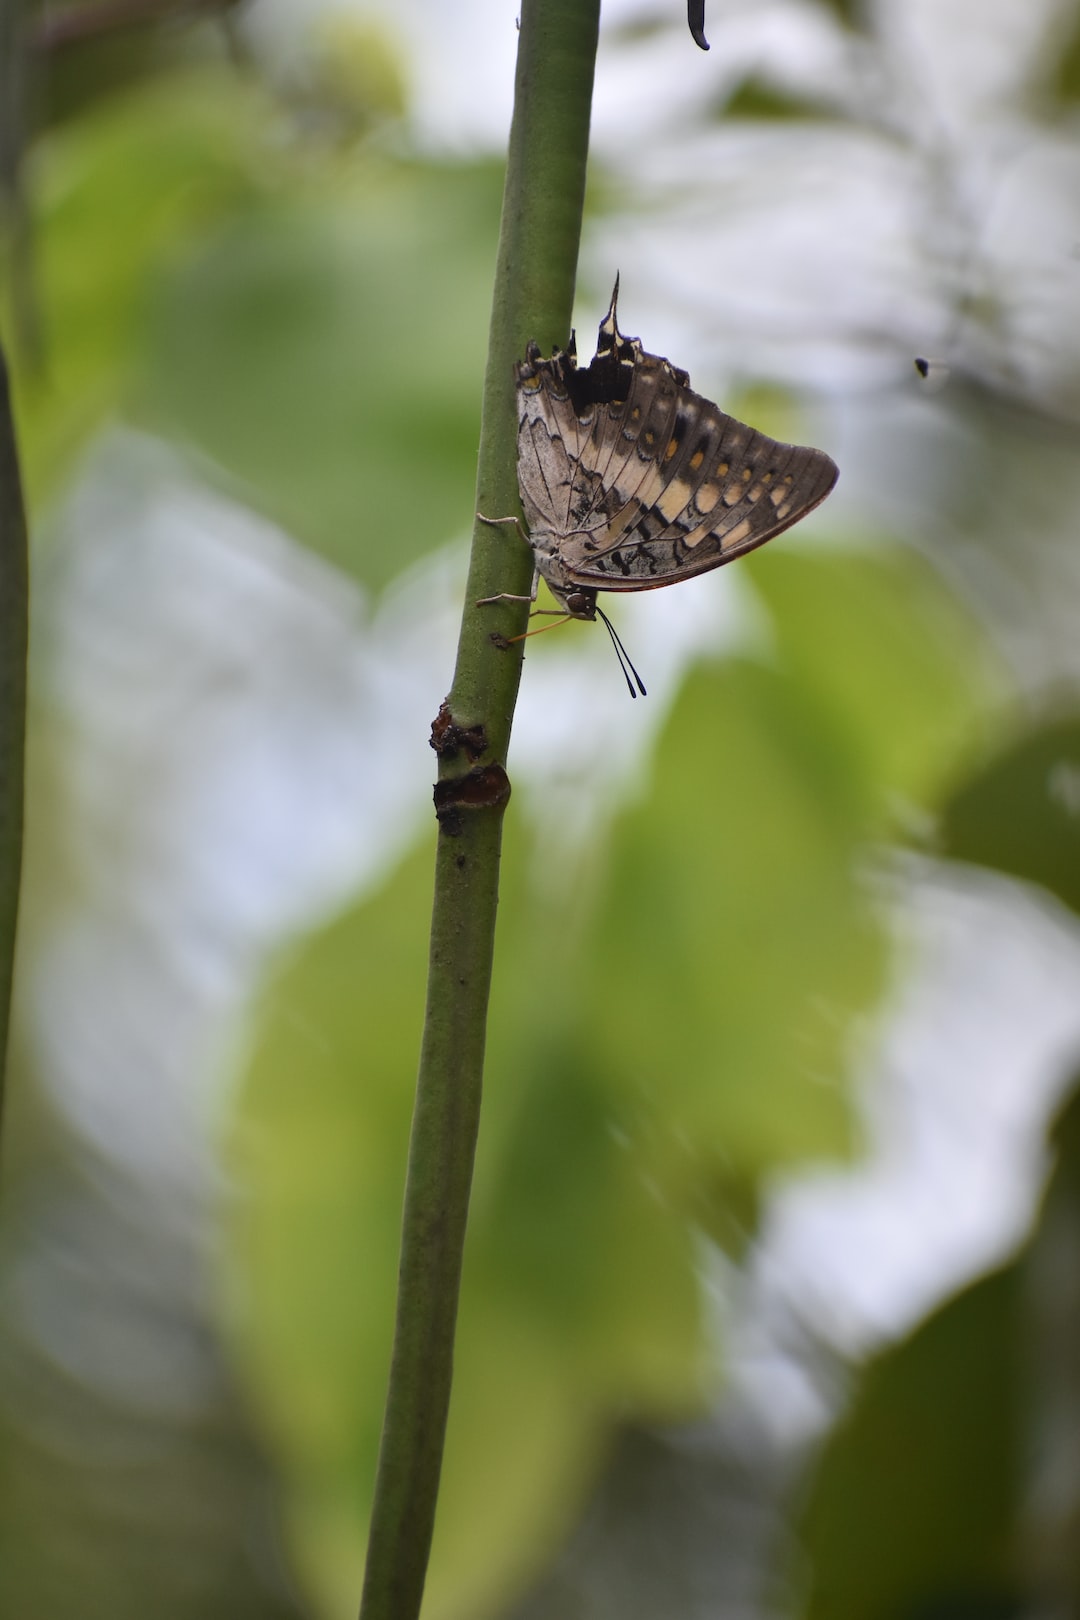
[
  {"x": 485, "y": 787},
  {"x": 448, "y": 738}
]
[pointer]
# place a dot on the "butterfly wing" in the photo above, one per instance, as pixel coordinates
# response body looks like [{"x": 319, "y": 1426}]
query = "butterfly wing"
[
  {"x": 579, "y": 431},
  {"x": 546, "y": 462},
  {"x": 708, "y": 492},
  {"x": 684, "y": 488},
  {"x": 635, "y": 481}
]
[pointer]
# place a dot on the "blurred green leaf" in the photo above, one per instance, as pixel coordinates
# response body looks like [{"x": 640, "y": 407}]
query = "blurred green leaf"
[
  {"x": 922, "y": 1502},
  {"x": 328, "y": 349},
  {"x": 902, "y": 671},
  {"x": 1020, "y": 813},
  {"x": 1065, "y": 78},
  {"x": 320, "y": 1149},
  {"x": 117, "y": 195},
  {"x": 88, "y": 53},
  {"x": 732, "y": 942},
  {"x": 852, "y": 13},
  {"x": 352, "y": 80},
  {"x": 913, "y": 1510},
  {"x": 311, "y": 318},
  {"x": 755, "y": 98}
]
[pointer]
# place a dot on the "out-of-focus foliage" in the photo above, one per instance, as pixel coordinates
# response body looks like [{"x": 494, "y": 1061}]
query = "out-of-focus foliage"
[
  {"x": 1066, "y": 77},
  {"x": 269, "y": 303},
  {"x": 309, "y": 349},
  {"x": 851, "y": 12},
  {"x": 1021, "y": 813},
  {"x": 754, "y": 98},
  {"x": 951, "y": 1487},
  {"x": 914, "y": 1507},
  {"x": 671, "y": 1021},
  {"x": 117, "y": 198}
]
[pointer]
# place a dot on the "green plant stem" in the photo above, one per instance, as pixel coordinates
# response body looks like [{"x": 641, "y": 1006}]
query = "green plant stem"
[
  {"x": 534, "y": 286},
  {"x": 13, "y": 644}
]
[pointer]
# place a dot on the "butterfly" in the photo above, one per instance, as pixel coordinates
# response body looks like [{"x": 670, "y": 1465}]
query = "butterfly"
[{"x": 630, "y": 480}]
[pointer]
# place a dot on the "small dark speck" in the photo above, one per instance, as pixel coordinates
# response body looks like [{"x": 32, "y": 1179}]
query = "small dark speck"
[
  {"x": 460, "y": 863},
  {"x": 935, "y": 373}
]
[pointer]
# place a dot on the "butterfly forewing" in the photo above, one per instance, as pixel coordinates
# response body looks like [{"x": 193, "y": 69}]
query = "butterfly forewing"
[
  {"x": 630, "y": 480},
  {"x": 544, "y": 475}
]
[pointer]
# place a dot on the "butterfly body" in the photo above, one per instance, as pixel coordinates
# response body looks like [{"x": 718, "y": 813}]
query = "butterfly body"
[{"x": 630, "y": 480}]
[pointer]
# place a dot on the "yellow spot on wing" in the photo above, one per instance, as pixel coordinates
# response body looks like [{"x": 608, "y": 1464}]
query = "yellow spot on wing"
[
  {"x": 674, "y": 499},
  {"x": 696, "y": 459},
  {"x": 736, "y": 535}
]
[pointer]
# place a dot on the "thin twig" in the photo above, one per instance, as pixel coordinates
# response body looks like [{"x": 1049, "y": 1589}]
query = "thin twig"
[{"x": 13, "y": 643}]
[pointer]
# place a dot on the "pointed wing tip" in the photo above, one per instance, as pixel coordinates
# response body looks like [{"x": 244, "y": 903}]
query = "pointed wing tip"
[{"x": 828, "y": 474}]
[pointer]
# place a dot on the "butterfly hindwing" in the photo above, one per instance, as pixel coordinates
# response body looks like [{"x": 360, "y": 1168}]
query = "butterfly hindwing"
[{"x": 746, "y": 489}]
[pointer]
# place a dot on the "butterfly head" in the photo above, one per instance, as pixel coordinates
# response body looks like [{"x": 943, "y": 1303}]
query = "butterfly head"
[{"x": 579, "y": 601}]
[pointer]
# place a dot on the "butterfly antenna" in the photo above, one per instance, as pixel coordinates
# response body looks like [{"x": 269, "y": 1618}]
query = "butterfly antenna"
[{"x": 623, "y": 656}]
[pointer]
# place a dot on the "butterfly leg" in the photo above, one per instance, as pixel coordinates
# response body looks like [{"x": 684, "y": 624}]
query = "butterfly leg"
[
  {"x": 508, "y": 596},
  {"x": 495, "y": 523}
]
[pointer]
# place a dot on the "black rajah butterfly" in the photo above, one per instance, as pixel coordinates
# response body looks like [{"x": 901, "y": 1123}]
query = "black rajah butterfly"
[{"x": 631, "y": 481}]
